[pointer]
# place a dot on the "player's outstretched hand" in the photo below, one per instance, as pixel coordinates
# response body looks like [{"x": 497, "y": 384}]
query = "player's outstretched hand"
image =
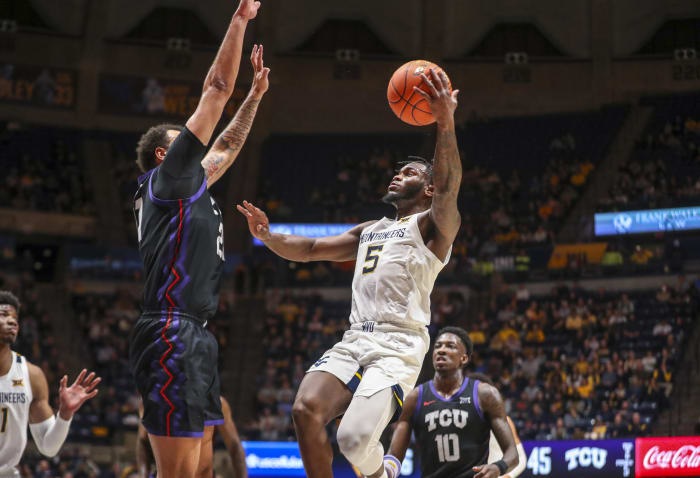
[
  {"x": 258, "y": 223},
  {"x": 260, "y": 76},
  {"x": 247, "y": 9},
  {"x": 487, "y": 471},
  {"x": 442, "y": 103},
  {"x": 72, "y": 398}
]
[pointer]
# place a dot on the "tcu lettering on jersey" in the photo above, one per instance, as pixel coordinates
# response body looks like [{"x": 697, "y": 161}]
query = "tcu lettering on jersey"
[{"x": 446, "y": 418}]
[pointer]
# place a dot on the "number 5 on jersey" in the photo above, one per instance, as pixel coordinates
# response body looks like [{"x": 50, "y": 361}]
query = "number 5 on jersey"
[{"x": 372, "y": 257}]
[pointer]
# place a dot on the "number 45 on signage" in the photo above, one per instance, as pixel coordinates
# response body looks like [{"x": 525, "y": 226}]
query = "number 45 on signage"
[{"x": 540, "y": 461}]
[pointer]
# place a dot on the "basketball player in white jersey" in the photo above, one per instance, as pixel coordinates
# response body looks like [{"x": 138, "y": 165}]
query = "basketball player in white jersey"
[
  {"x": 24, "y": 397},
  {"x": 367, "y": 374}
]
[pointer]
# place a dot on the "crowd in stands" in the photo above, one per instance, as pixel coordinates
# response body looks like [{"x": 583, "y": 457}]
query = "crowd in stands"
[
  {"x": 664, "y": 169},
  {"x": 43, "y": 171},
  {"x": 574, "y": 364},
  {"x": 577, "y": 364}
]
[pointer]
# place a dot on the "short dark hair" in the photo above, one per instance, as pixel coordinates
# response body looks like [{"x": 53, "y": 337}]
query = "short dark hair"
[
  {"x": 482, "y": 377},
  {"x": 8, "y": 298},
  {"x": 417, "y": 159},
  {"x": 156, "y": 136},
  {"x": 462, "y": 334}
]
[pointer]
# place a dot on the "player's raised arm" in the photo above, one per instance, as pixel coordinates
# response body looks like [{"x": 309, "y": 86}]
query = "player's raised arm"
[
  {"x": 342, "y": 247},
  {"x": 492, "y": 405},
  {"x": 50, "y": 431},
  {"x": 401, "y": 437},
  {"x": 447, "y": 166},
  {"x": 227, "y": 146},
  {"x": 232, "y": 441},
  {"x": 221, "y": 78}
]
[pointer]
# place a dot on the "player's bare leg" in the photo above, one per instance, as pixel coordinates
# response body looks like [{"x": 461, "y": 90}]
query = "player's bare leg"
[
  {"x": 205, "y": 469},
  {"x": 360, "y": 430},
  {"x": 175, "y": 457},
  {"x": 321, "y": 398}
]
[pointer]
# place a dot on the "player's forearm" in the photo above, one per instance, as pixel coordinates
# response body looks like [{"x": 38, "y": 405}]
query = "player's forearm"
[
  {"x": 143, "y": 462},
  {"x": 238, "y": 460},
  {"x": 522, "y": 459},
  {"x": 447, "y": 165},
  {"x": 230, "y": 141},
  {"x": 224, "y": 70},
  {"x": 510, "y": 456},
  {"x": 290, "y": 247}
]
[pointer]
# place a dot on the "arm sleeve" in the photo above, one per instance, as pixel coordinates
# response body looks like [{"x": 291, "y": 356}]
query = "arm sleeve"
[
  {"x": 181, "y": 174},
  {"x": 522, "y": 459},
  {"x": 50, "y": 434}
]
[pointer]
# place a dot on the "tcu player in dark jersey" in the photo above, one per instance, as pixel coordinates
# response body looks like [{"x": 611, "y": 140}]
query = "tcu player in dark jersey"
[
  {"x": 452, "y": 417},
  {"x": 180, "y": 231}
]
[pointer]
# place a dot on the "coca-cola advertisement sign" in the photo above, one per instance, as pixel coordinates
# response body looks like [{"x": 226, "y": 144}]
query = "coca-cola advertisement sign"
[{"x": 672, "y": 456}]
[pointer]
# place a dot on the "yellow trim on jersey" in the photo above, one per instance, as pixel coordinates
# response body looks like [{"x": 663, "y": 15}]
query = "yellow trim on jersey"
[
  {"x": 357, "y": 374},
  {"x": 398, "y": 399}
]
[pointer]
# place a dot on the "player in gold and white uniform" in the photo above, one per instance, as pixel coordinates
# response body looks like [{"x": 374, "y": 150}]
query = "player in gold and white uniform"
[
  {"x": 367, "y": 374},
  {"x": 24, "y": 397}
]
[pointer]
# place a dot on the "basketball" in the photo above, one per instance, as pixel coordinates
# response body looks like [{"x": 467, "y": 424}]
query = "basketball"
[{"x": 407, "y": 105}]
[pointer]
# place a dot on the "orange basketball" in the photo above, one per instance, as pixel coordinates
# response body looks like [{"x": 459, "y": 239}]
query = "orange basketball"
[{"x": 408, "y": 105}]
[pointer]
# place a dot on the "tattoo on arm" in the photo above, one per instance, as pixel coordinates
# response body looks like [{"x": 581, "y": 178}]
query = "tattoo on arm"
[
  {"x": 230, "y": 141},
  {"x": 492, "y": 404}
]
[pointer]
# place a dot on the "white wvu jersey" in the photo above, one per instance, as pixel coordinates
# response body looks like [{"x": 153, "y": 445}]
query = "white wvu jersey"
[
  {"x": 394, "y": 274},
  {"x": 15, "y": 399}
]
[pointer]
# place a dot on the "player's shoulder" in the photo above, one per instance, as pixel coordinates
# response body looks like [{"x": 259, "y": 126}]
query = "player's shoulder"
[
  {"x": 489, "y": 396},
  {"x": 357, "y": 230}
]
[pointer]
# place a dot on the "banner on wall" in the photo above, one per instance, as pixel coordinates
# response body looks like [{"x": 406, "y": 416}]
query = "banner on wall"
[
  {"x": 668, "y": 456},
  {"x": 646, "y": 221},
  {"x": 560, "y": 255},
  {"x": 580, "y": 458},
  {"x": 150, "y": 96},
  {"x": 38, "y": 86}
]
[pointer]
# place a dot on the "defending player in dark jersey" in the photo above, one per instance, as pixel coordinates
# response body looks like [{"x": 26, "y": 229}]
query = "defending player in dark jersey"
[
  {"x": 180, "y": 232},
  {"x": 452, "y": 417}
]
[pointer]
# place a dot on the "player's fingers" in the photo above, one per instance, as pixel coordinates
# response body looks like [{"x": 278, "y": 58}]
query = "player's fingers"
[
  {"x": 93, "y": 384},
  {"x": 421, "y": 92},
  {"x": 91, "y": 394},
  {"x": 243, "y": 211},
  {"x": 89, "y": 378},
  {"x": 252, "y": 55},
  {"x": 265, "y": 73},
  {"x": 430, "y": 84},
  {"x": 454, "y": 94},
  {"x": 63, "y": 382},
  {"x": 80, "y": 377},
  {"x": 443, "y": 81},
  {"x": 260, "y": 58}
]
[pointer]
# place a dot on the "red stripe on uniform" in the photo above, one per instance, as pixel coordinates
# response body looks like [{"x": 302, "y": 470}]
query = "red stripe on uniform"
[{"x": 167, "y": 324}]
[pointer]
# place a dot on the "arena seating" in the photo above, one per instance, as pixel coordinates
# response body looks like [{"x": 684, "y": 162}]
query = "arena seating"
[
  {"x": 596, "y": 358},
  {"x": 43, "y": 170},
  {"x": 665, "y": 165}
]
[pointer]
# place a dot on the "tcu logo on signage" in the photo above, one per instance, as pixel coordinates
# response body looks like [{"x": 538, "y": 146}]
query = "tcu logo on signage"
[
  {"x": 446, "y": 418},
  {"x": 586, "y": 456}
]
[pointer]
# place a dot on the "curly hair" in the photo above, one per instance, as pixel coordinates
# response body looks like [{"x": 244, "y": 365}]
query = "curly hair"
[
  {"x": 417, "y": 159},
  {"x": 463, "y": 336},
  {"x": 156, "y": 136},
  {"x": 8, "y": 298}
]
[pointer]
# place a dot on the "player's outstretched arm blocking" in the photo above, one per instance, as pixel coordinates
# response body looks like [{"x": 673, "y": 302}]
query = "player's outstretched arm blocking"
[
  {"x": 492, "y": 405},
  {"x": 50, "y": 431},
  {"x": 402, "y": 436},
  {"x": 221, "y": 78},
  {"x": 447, "y": 166},
  {"x": 342, "y": 247},
  {"x": 229, "y": 143}
]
